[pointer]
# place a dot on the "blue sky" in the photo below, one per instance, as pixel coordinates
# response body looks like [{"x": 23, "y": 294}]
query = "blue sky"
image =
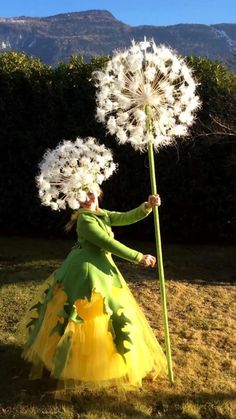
[{"x": 133, "y": 12}]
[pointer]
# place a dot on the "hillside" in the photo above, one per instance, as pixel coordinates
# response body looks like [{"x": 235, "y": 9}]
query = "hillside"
[{"x": 98, "y": 32}]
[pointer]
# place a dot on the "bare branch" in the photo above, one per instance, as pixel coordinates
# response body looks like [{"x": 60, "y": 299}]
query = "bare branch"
[
  {"x": 227, "y": 127},
  {"x": 221, "y": 134}
]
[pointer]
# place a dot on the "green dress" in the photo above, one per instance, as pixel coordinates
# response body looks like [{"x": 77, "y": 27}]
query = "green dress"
[{"x": 87, "y": 326}]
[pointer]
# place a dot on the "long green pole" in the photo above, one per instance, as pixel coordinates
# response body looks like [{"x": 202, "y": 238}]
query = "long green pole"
[{"x": 159, "y": 246}]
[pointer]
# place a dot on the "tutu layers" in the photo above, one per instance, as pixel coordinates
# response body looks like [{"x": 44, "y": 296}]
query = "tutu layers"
[{"x": 86, "y": 351}]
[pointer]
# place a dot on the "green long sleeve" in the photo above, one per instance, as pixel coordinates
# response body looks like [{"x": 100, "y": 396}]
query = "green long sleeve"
[
  {"x": 128, "y": 217},
  {"x": 90, "y": 231}
]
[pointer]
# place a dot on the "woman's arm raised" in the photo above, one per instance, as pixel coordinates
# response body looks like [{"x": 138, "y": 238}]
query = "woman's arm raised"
[{"x": 134, "y": 215}]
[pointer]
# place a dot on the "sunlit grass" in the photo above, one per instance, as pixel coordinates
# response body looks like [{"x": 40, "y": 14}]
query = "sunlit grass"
[{"x": 201, "y": 305}]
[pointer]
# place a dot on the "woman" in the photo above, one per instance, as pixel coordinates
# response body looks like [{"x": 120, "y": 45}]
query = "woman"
[{"x": 88, "y": 326}]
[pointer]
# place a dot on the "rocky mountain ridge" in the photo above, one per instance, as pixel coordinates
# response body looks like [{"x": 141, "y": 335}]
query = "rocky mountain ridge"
[{"x": 98, "y": 32}]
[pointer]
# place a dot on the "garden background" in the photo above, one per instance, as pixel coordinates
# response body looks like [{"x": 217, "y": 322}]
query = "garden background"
[{"x": 40, "y": 106}]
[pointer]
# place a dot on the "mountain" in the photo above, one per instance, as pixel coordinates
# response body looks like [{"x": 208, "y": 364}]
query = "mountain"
[{"x": 98, "y": 32}]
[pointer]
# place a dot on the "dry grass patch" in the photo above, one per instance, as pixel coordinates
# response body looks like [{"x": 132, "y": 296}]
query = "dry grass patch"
[{"x": 201, "y": 305}]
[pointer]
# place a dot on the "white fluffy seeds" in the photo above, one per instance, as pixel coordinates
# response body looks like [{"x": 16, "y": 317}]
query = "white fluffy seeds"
[{"x": 146, "y": 74}]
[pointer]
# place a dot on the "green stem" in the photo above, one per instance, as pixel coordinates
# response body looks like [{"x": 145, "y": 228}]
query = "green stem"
[{"x": 158, "y": 245}]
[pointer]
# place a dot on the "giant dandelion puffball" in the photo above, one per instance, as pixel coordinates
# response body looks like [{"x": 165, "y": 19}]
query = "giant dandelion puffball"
[
  {"x": 71, "y": 170},
  {"x": 146, "y": 76}
]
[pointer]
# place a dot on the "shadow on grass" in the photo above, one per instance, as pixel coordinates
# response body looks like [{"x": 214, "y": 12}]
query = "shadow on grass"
[
  {"x": 17, "y": 390},
  {"x": 25, "y": 260},
  {"x": 24, "y": 273},
  {"x": 14, "y": 374},
  {"x": 137, "y": 274},
  {"x": 172, "y": 406},
  {"x": 20, "y": 274}
]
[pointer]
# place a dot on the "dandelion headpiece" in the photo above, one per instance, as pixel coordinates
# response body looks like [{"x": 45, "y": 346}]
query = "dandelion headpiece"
[
  {"x": 71, "y": 170},
  {"x": 146, "y": 75}
]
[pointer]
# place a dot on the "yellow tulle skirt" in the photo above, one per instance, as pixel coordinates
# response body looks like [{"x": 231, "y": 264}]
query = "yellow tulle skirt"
[{"x": 93, "y": 358}]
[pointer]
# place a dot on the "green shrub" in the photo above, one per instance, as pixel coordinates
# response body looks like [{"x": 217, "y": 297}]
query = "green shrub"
[{"x": 41, "y": 105}]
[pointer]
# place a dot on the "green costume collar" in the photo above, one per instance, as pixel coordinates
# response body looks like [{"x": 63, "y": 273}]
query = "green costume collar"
[{"x": 98, "y": 213}]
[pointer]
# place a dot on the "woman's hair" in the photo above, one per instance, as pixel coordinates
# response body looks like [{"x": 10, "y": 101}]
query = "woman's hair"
[
  {"x": 68, "y": 227},
  {"x": 101, "y": 195}
]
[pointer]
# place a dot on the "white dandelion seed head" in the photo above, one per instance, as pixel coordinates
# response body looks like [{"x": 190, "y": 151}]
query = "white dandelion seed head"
[
  {"x": 71, "y": 170},
  {"x": 144, "y": 76}
]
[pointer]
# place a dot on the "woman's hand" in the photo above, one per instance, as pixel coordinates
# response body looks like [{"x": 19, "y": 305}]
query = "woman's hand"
[
  {"x": 148, "y": 261},
  {"x": 153, "y": 200}
]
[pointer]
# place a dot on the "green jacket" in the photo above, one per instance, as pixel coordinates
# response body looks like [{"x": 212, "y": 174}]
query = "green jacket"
[
  {"x": 94, "y": 230},
  {"x": 89, "y": 265}
]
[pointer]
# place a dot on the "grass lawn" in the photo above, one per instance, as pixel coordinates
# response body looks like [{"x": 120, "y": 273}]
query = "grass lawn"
[{"x": 201, "y": 296}]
